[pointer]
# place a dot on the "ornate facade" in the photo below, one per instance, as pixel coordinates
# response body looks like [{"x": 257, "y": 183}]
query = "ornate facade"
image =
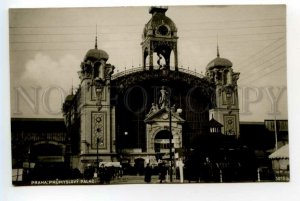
[{"x": 130, "y": 115}]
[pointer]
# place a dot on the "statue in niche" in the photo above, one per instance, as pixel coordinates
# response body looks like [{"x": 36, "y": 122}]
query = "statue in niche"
[
  {"x": 161, "y": 61},
  {"x": 101, "y": 68},
  {"x": 163, "y": 99}
]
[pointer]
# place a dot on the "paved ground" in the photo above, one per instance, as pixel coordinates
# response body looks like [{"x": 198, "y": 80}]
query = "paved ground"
[{"x": 132, "y": 179}]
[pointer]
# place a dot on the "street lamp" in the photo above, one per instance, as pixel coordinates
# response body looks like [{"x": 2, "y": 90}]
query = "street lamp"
[
  {"x": 179, "y": 111},
  {"x": 97, "y": 160},
  {"x": 170, "y": 139}
]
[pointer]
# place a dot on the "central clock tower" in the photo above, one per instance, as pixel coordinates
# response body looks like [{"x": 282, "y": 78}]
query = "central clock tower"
[{"x": 159, "y": 39}]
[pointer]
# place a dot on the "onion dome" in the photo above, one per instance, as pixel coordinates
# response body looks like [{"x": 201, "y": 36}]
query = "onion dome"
[
  {"x": 219, "y": 62},
  {"x": 159, "y": 24},
  {"x": 69, "y": 98},
  {"x": 96, "y": 54}
]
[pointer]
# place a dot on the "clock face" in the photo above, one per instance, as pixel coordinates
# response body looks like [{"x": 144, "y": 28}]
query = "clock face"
[{"x": 163, "y": 30}]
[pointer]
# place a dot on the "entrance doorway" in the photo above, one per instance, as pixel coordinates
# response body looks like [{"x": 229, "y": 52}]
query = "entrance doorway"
[{"x": 162, "y": 142}]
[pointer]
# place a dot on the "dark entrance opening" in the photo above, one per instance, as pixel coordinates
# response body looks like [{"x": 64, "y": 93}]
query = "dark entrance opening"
[{"x": 162, "y": 141}]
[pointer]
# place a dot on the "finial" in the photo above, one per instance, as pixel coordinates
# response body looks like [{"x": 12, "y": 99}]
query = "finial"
[{"x": 96, "y": 45}]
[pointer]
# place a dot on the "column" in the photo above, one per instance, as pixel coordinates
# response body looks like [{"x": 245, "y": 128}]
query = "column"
[
  {"x": 151, "y": 57},
  {"x": 144, "y": 58},
  {"x": 176, "y": 57}
]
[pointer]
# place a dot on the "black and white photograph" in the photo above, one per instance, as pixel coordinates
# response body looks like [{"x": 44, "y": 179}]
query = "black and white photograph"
[
  {"x": 148, "y": 95},
  {"x": 149, "y": 100}
]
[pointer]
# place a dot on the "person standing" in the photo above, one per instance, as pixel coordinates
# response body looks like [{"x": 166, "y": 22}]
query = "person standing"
[
  {"x": 162, "y": 173},
  {"x": 148, "y": 173}
]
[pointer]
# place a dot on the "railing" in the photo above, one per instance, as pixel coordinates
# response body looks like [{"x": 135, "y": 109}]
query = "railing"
[
  {"x": 139, "y": 69},
  {"x": 187, "y": 71},
  {"x": 126, "y": 72}
]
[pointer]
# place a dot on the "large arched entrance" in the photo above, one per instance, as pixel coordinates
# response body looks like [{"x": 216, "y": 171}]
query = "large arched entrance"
[
  {"x": 162, "y": 141},
  {"x": 135, "y": 92}
]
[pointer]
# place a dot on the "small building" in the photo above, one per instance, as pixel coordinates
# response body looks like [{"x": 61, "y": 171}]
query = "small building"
[{"x": 280, "y": 163}]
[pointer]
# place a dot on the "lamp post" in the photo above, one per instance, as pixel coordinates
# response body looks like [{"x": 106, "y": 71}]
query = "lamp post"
[
  {"x": 29, "y": 158},
  {"x": 97, "y": 160},
  {"x": 170, "y": 140}
]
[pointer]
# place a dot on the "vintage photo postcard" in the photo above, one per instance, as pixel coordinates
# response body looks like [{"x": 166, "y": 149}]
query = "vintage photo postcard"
[{"x": 148, "y": 95}]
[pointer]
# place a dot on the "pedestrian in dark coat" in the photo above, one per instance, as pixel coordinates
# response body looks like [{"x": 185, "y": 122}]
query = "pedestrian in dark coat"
[
  {"x": 101, "y": 174},
  {"x": 148, "y": 173},
  {"x": 162, "y": 172}
]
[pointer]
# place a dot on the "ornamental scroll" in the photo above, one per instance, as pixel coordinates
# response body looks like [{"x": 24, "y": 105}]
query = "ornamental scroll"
[
  {"x": 98, "y": 130},
  {"x": 230, "y": 125}
]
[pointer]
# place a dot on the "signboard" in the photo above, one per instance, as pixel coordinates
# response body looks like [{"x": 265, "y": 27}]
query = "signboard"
[{"x": 281, "y": 125}]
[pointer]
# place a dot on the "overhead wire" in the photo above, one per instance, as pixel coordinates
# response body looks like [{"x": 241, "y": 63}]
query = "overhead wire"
[
  {"x": 254, "y": 60},
  {"x": 135, "y": 25}
]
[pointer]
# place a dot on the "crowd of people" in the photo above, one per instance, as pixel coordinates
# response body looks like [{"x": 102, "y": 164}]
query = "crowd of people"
[
  {"x": 107, "y": 173},
  {"x": 104, "y": 173}
]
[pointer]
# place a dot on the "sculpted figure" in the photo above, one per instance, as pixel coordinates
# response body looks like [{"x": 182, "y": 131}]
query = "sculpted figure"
[{"x": 163, "y": 98}]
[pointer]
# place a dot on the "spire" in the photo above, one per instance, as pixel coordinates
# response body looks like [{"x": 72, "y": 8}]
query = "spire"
[
  {"x": 72, "y": 90},
  {"x": 96, "y": 45},
  {"x": 218, "y": 53}
]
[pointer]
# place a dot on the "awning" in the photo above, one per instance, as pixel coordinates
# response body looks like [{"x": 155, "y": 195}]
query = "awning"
[{"x": 282, "y": 153}]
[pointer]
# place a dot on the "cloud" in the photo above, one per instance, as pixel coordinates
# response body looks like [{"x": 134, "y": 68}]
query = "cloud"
[
  {"x": 42, "y": 87},
  {"x": 44, "y": 71}
]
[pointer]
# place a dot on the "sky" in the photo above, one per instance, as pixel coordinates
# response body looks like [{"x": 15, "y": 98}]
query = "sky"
[{"x": 48, "y": 45}]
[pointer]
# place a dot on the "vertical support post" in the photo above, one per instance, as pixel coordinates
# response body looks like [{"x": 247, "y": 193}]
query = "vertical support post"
[
  {"x": 29, "y": 171},
  {"x": 144, "y": 59},
  {"x": 97, "y": 160},
  {"x": 175, "y": 57},
  {"x": 275, "y": 128},
  {"x": 221, "y": 176},
  {"x": 151, "y": 57},
  {"x": 181, "y": 171},
  {"x": 170, "y": 139},
  {"x": 258, "y": 175},
  {"x": 29, "y": 158}
]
